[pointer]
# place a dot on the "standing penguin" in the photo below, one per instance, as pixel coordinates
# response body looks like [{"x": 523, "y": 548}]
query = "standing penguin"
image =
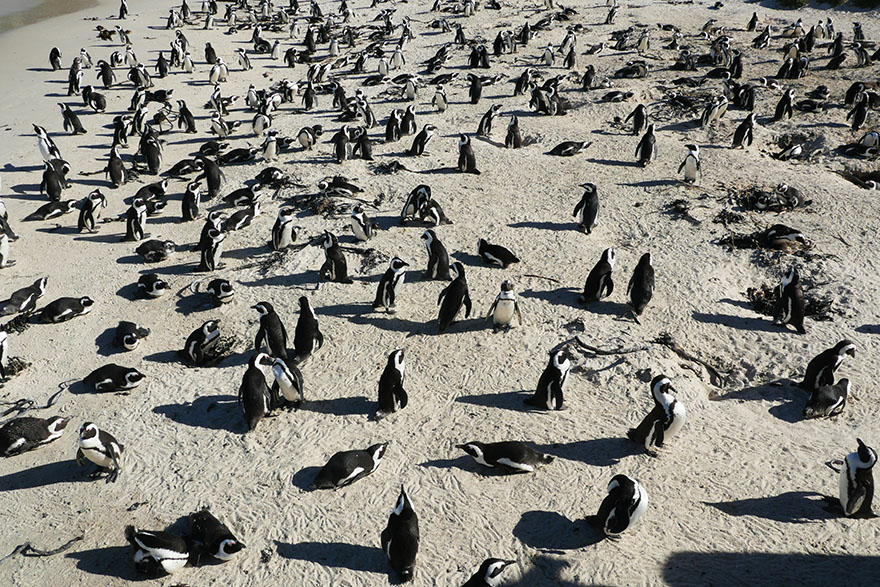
[
  {"x": 624, "y": 505},
  {"x": 283, "y": 231},
  {"x": 102, "y": 449},
  {"x": 646, "y": 151},
  {"x": 588, "y": 208},
  {"x": 859, "y": 113},
  {"x": 192, "y": 197},
  {"x": 361, "y": 226},
  {"x": 599, "y": 284},
  {"x": 476, "y": 88},
  {"x": 214, "y": 536},
  {"x": 820, "y": 371},
  {"x": 504, "y": 308},
  {"x": 484, "y": 129},
  {"x": 253, "y": 394},
  {"x": 691, "y": 164},
  {"x": 664, "y": 421},
  {"x": 641, "y": 285},
  {"x": 548, "y": 395},
  {"x": 71, "y": 121},
  {"x": 271, "y": 331},
  {"x": 392, "y": 395},
  {"x": 828, "y": 401},
  {"x": 289, "y": 387},
  {"x": 857, "y": 482},
  {"x": 745, "y": 132},
  {"x": 334, "y": 267},
  {"x": 639, "y": 117},
  {"x": 90, "y": 211},
  {"x": 400, "y": 538},
  {"x": 440, "y": 101},
  {"x": 307, "y": 338},
  {"x": 467, "y": 161},
  {"x": 791, "y": 301},
  {"x": 348, "y": 466},
  {"x": 453, "y": 297},
  {"x": 438, "y": 258},
  {"x": 135, "y": 220},
  {"x": 784, "y": 107},
  {"x": 513, "y": 140},
  {"x": 420, "y": 142},
  {"x": 390, "y": 284},
  {"x": 212, "y": 250}
]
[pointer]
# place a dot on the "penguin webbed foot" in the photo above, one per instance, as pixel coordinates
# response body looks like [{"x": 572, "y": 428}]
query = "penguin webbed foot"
[{"x": 112, "y": 475}]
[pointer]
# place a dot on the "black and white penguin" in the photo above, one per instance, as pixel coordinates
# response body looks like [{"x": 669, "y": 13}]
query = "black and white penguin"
[
  {"x": 157, "y": 552},
  {"x": 289, "y": 387},
  {"x": 135, "y": 220},
  {"x": 646, "y": 150},
  {"x": 4, "y": 354},
  {"x": 308, "y": 136},
  {"x": 90, "y": 211},
  {"x": 745, "y": 132},
  {"x": 639, "y": 117},
  {"x": 857, "y": 482},
  {"x": 392, "y": 395},
  {"x": 52, "y": 210},
  {"x": 390, "y": 284},
  {"x": 691, "y": 164},
  {"x": 114, "y": 378},
  {"x": 569, "y": 148},
  {"x": 221, "y": 290},
  {"x": 129, "y": 335},
  {"x": 213, "y": 536},
  {"x": 453, "y": 297},
  {"x": 791, "y": 301},
  {"x": 440, "y": 101},
  {"x": 421, "y": 141},
  {"x": 64, "y": 309},
  {"x": 185, "y": 118},
  {"x": 664, "y": 421},
  {"x": 334, "y": 267},
  {"x": 467, "y": 161},
  {"x": 115, "y": 170},
  {"x": 400, "y": 538},
  {"x": 859, "y": 113},
  {"x": 72, "y": 123},
  {"x": 192, "y": 198},
  {"x": 624, "y": 505},
  {"x": 271, "y": 331},
  {"x": 20, "y": 435},
  {"x": 361, "y": 226},
  {"x": 307, "y": 338},
  {"x": 484, "y": 129},
  {"x": 155, "y": 250},
  {"x": 820, "y": 371},
  {"x": 212, "y": 250},
  {"x": 784, "y": 106},
  {"x": 827, "y": 401},
  {"x": 510, "y": 456},
  {"x": 588, "y": 208},
  {"x": 346, "y": 467},
  {"x": 55, "y": 58},
  {"x": 213, "y": 176},
  {"x": 200, "y": 344},
  {"x": 438, "y": 258},
  {"x": 489, "y": 573},
  {"x": 549, "y": 393},
  {"x": 101, "y": 448},
  {"x": 150, "y": 285},
  {"x": 283, "y": 231},
  {"x": 475, "y": 90},
  {"x": 513, "y": 139},
  {"x": 641, "y": 285},
  {"x": 495, "y": 254},
  {"x": 253, "y": 394},
  {"x": 48, "y": 149},
  {"x": 5, "y": 261},
  {"x": 504, "y": 308},
  {"x": 24, "y": 300}
]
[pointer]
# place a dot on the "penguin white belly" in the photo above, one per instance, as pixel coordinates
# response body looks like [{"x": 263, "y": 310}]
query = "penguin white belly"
[
  {"x": 849, "y": 464},
  {"x": 514, "y": 465},
  {"x": 358, "y": 230},
  {"x": 289, "y": 391},
  {"x": 399, "y": 284},
  {"x": 679, "y": 415},
  {"x": 690, "y": 169},
  {"x": 95, "y": 455},
  {"x": 641, "y": 507},
  {"x": 4, "y": 251},
  {"x": 14, "y": 446},
  {"x": 503, "y": 313},
  {"x": 357, "y": 471}
]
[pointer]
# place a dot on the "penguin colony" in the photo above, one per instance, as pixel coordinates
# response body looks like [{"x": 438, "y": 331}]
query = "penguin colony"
[{"x": 343, "y": 75}]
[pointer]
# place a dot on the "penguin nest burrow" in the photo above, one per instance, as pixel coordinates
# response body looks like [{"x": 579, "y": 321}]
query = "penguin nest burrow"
[
  {"x": 765, "y": 300},
  {"x": 762, "y": 200}
]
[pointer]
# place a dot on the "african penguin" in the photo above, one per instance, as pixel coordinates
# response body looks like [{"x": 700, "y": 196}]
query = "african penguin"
[
  {"x": 288, "y": 388},
  {"x": 453, "y": 297},
  {"x": 101, "y": 448},
  {"x": 271, "y": 331},
  {"x": 157, "y": 552},
  {"x": 253, "y": 394},
  {"x": 646, "y": 150},
  {"x": 213, "y": 536},
  {"x": 624, "y": 505},
  {"x": 307, "y": 337},
  {"x": 827, "y": 401},
  {"x": 510, "y": 456},
  {"x": 150, "y": 285},
  {"x": 504, "y": 308},
  {"x": 495, "y": 254},
  {"x": 641, "y": 285},
  {"x": 392, "y": 395},
  {"x": 489, "y": 573},
  {"x": 820, "y": 370},
  {"x": 390, "y": 284},
  {"x": 334, "y": 267},
  {"x": 346, "y": 467},
  {"x": 664, "y": 421},
  {"x": 588, "y": 208},
  {"x": 200, "y": 344},
  {"x": 857, "y": 482},
  {"x": 548, "y": 395},
  {"x": 64, "y": 309},
  {"x": 599, "y": 284},
  {"x": 23, "y": 434},
  {"x": 691, "y": 164},
  {"x": 400, "y": 538},
  {"x": 791, "y": 301},
  {"x": 129, "y": 335},
  {"x": 438, "y": 258},
  {"x": 113, "y": 377},
  {"x": 283, "y": 231}
]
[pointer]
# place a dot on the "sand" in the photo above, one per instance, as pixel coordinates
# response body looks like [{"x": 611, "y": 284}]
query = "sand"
[{"x": 737, "y": 498}]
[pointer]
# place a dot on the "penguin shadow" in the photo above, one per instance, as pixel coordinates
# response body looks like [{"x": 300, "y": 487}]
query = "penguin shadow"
[
  {"x": 79, "y": 387},
  {"x": 355, "y": 557},
  {"x": 112, "y": 238},
  {"x": 293, "y": 279},
  {"x": 598, "y": 452},
  {"x": 213, "y": 412},
  {"x": 547, "y": 571},
  {"x": 653, "y": 183},
  {"x": 191, "y": 141},
  {"x": 606, "y": 308},
  {"x": 110, "y": 561},
  {"x": 553, "y": 531},
  {"x": 682, "y": 126},
  {"x": 106, "y": 343},
  {"x": 192, "y": 304},
  {"x": 613, "y": 162},
  {"x": 304, "y": 478},
  {"x": 470, "y": 259},
  {"x": 563, "y": 296},
  {"x": 10, "y": 168},
  {"x": 467, "y": 464},
  {"x": 490, "y": 141},
  {"x": 165, "y": 220},
  {"x": 737, "y": 322},
  {"x": 25, "y": 192},
  {"x": 509, "y": 400},
  {"x": 185, "y": 268},
  {"x": 65, "y": 471},
  {"x": 58, "y": 229},
  {"x": 442, "y": 171},
  {"x": 546, "y": 225},
  {"x": 793, "y": 397},
  {"x": 791, "y": 507},
  {"x": 129, "y": 292},
  {"x": 869, "y": 329},
  {"x": 248, "y": 252},
  {"x": 167, "y": 357}
]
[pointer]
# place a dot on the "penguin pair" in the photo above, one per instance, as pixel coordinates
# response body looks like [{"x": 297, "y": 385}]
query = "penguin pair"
[{"x": 664, "y": 421}]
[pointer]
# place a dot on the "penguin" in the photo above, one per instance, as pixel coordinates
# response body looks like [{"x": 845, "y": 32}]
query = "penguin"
[
  {"x": 52, "y": 210},
  {"x": 192, "y": 197},
  {"x": 453, "y": 297},
  {"x": 489, "y": 573},
  {"x": 495, "y": 254},
  {"x": 200, "y": 344},
  {"x": 588, "y": 208},
  {"x": 129, "y": 335},
  {"x": 150, "y": 285},
  {"x": 48, "y": 149},
  {"x": 253, "y": 394},
  {"x": 691, "y": 164},
  {"x": 513, "y": 140},
  {"x": 390, "y": 284},
  {"x": 820, "y": 370},
  {"x": 346, "y": 467},
  {"x": 55, "y": 58},
  {"x": 753, "y": 23},
  {"x": 90, "y": 211},
  {"x": 308, "y": 136},
  {"x": 185, "y": 118},
  {"x": 664, "y": 421},
  {"x": 135, "y": 219},
  {"x": 857, "y": 482},
  {"x": 288, "y": 385},
  {"x": 624, "y": 505},
  {"x": 52, "y": 183},
  {"x": 21, "y": 435},
  {"x": 72, "y": 123},
  {"x": 827, "y": 401},
  {"x": 646, "y": 151},
  {"x": 4, "y": 355},
  {"x": 639, "y": 117},
  {"x": 400, "y": 538},
  {"x": 212, "y": 250},
  {"x": 270, "y": 147},
  {"x": 475, "y": 91},
  {"x": 467, "y": 162},
  {"x": 283, "y": 231},
  {"x": 549, "y": 393},
  {"x": 440, "y": 101},
  {"x": 791, "y": 301},
  {"x": 271, "y": 331},
  {"x": 221, "y": 290},
  {"x": 438, "y": 258},
  {"x": 783, "y": 107},
  {"x": 113, "y": 377},
  {"x": 307, "y": 337},
  {"x": 484, "y": 129},
  {"x": 64, "y": 309},
  {"x": 509, "y": 456},
  {"x": 408, "y": 121},
  {"x": 116, "y": 172},
  {"x": 157, "y": 552},
  {"x": 24, "y": 300},
  {"x": 210, "y": 54},
  {"x": 334, "y": 267},
  {"x": 745, "y": 132},
  {"x": 859, "y": 113},
  {"x": 421, "y": 140},
  {"x": 4, "y": 248},
  {"x": 361, "y": 227},
  {"x": 213, "y": 536},
  {"x": 504, "y": 308},
  {"x": 101, "y": 448},
  {"x": 392, "y": 395},
  {"x": 154, "y": 250},
  {"x": 641, "y": 285},
  {"x": 569, "y": 148}
]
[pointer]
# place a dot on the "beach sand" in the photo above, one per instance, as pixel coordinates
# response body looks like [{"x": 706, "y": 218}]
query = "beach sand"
[{"x": 736, "y": 498}]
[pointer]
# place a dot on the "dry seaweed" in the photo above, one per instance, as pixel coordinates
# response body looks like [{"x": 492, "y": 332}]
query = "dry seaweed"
[
  {"x": 18, "y": 324},
  {"x": 765, "y": 300},
  {"x": 726, "y": 217}
]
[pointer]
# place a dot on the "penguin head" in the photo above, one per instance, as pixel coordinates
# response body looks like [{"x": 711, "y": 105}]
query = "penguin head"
[
  {"x": 491, "y": 569},
  {"x": 57, "y": 424},
  {"x": 397, "y": 264},
  {"x": 263, "y": 308},
  {"x": 228, "y": 548},
  {"x": 845, "y": 347},
  {"x": 330, "y": 240},
  {"x": 86, "y": 302},
  {"x": 261, "y": 360},
  {"x": 560, "y": 359},
  {"x": 429, "y": 236},
  {"x": 211, "y": 326},
  {"x": 506, "y": 285},
  {"x": 376, "y": 452},
  {"x": 403, "y": 503},
  {"x": 589, "y": 187},
  {"x": 661, "y": 384},
  {"x": 463, "y": 139},
  {"x": 645, "y": 260},
  {"x": 475, "y": 449},
  {"x": 88, "y": 430},
  {"x": 457, "y": 270},
  {"x": 134, "y": 376},
  {"x": 396, "y": 359},
  {"x": 867, "y": 455},
  {"x": 608, "y": 256}
]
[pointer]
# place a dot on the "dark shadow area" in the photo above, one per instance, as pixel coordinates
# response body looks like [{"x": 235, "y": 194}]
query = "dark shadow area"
[
  {"x": 606, "y": 308},
  {"x": 366, "y": 559},
  {"x": 598, "y": 452},
  {"x": 562, "y": 296},
  {"x": 341, "y": 406},
  {"x": 546, "y": 571},
  {"x": 614, "y": 163},
  {"x": 304, "y": 478},
  {"x": 783, "y": 390},
  {"x": 738, "y": 322},
  {"x": 792, "y": 507},
  {"x": 214, "y": 412},
  {"x": 869, "y": 329},
  {"x": 43, "y": 475},
  {"x": 509, "y": 400},
  {"x": 112, "y": 561},
  {"x": 551, "y": 530},
  {"x": 106, "y": 343},
  {"x": 653, "y": 183},
  {"x": 469, "y": 259},
  {"x": 546, "y": 225},
  {"x": 466, "y": 463}
]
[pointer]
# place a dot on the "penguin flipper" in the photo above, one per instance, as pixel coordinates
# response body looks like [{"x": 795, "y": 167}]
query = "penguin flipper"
[
  {"x": 467, "y": 305},
  {"x": 400, "y": 392},
  {"x": 261, "y": 334},
  {"x": 518, "y": 313},
  {"x": 856, "y": 499},
  {"x": 319, "y": 338},
  {"x": 680, "y": 167},
  {"x": 443, "y": 293},
  {"x": 578, "y": 208}
]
